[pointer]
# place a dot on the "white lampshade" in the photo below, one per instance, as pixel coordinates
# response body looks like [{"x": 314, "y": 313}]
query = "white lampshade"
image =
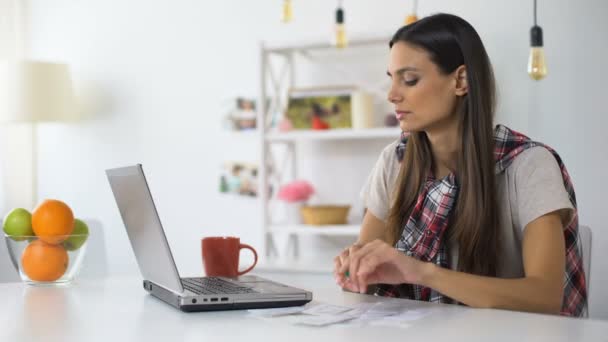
[{"x": 35, "y": 91}]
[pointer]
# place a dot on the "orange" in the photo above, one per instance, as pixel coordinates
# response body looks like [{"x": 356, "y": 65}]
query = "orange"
[
  {"x": 52, "y": 221},
  {"x": 44, "y": 262}
]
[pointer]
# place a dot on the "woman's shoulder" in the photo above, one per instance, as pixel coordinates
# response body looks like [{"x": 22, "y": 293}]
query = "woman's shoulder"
[
  {"x": 534, "y": 157},
  {"x": 533, "y": 167},
  {"x": 389, "y": 153},
  {"x": 538, "y": 185}
]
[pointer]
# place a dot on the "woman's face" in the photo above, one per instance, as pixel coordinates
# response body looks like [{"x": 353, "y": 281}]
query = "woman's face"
[{"x": 424, "y": 98}]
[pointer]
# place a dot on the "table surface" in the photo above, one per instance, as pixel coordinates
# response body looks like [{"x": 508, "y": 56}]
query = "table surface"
[{"x": 119, "y": 308}]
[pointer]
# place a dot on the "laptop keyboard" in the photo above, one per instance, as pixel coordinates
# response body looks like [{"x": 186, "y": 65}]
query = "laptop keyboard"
[{"x": 211, "y": 285}]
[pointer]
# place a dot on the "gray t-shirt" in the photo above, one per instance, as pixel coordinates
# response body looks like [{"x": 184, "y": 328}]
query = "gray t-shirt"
[{"x": 530, "y": 187}]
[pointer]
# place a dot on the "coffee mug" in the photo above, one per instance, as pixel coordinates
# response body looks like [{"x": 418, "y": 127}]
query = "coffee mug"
[{"x": 221, "y": 256}]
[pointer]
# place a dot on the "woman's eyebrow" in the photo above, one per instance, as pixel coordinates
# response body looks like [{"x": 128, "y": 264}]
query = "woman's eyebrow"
[{"x": 401, "y": 71}]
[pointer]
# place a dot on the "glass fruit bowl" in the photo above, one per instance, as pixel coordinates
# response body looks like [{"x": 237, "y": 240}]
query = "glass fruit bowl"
[{"x": 47, "y": 260}]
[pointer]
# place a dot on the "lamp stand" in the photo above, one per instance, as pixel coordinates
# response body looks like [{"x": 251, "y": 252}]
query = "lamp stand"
[{"x": 34, "y": 170}]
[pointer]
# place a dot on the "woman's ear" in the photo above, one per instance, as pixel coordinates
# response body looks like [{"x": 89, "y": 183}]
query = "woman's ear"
[{"x": 462, "y": 87}]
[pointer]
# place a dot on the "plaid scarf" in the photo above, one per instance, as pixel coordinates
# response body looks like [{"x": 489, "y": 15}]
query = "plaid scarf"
[{"x": 424, "y": 231}]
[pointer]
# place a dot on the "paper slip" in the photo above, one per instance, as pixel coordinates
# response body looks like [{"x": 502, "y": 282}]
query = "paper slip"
[
  {"x": 410, "y": 315},
  {"x": 326, "y": 309},
  {"x": 360, "y": 309},
  {"x": 319, "y": 321},
  {"x": 384, "y": 309},
  {"x": 392, "y": 308},
  {"x": 277, "y": 312},
  {"x": 319, "y": 314}
]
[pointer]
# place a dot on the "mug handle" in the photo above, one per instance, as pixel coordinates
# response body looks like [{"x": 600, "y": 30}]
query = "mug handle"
[{"x": 255, "y": 256}]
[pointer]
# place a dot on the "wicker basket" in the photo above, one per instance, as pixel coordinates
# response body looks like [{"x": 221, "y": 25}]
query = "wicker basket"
[{"x": 324, "y": 214}]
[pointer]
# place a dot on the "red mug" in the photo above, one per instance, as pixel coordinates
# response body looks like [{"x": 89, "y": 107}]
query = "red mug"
[{"x": 221, "y": 256}]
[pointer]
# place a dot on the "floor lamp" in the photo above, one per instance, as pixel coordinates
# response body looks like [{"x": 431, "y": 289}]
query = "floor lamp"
[{"x": 32, "y": 92}]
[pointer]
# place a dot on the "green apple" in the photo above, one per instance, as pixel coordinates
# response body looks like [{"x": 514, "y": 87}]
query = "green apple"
[
  {"x": 18, "y": 223},
  {"x": 78, "y": 237}
]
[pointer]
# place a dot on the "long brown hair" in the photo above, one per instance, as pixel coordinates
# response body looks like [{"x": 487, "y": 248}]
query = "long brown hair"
[{"x": 452, "y": 42}]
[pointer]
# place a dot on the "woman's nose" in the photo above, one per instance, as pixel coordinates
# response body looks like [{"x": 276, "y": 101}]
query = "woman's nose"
[{"x": 394, "y": 96}]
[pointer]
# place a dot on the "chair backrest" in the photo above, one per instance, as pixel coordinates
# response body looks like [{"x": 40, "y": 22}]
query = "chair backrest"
[{"x": 584, "y": 233}]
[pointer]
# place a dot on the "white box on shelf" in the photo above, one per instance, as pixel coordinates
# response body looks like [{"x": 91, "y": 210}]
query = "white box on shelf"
[{"x": 362, "y": 110}]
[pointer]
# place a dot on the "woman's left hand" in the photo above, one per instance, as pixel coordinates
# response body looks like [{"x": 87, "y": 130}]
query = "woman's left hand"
[{"x": 378, "y": 262}]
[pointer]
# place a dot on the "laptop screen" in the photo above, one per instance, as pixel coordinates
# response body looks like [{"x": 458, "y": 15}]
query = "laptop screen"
[{"x": 143, "y": 226}]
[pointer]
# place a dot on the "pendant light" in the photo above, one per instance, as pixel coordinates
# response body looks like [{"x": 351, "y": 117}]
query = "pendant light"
[
  {"x": 537, "y": 67},
  {"x": 287, "y": 14},
  {"x": 412, "y": 17},
  {"x": 341, "y": 39}
]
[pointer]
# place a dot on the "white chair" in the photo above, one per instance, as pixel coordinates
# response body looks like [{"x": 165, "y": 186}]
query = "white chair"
[{"x": 584, "y": 233}]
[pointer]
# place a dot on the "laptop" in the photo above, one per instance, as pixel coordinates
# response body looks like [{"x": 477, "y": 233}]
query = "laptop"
[{"x": 155, "y": 261}]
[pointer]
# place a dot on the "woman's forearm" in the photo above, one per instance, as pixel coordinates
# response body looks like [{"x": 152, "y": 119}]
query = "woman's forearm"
[
  {"x": 522, "y": 294},
  {"x": 372, "y": 228}
]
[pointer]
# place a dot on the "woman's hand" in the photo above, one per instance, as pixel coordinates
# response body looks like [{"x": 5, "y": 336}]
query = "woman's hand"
[
  {"x": 378, "y": 262},
  {"x": 343, "y": 260}
]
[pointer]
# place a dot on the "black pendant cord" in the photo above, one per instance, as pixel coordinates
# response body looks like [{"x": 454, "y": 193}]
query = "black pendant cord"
[
  {"x": 534, "y": 12},
  {"x": 536, "y": 32}
]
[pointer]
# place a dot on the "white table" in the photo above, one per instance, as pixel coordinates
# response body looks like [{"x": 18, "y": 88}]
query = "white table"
[{"x": 118, "y": 309}]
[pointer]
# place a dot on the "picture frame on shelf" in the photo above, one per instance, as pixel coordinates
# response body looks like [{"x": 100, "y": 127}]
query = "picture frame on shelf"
[
  {"x": 320, "y": 108},
  {"x": 239, "y": 178},
  {"x": 243, "y": 115}
]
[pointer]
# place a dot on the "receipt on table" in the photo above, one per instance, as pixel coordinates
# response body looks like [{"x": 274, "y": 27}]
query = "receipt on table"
[
  {"x": 326, "y": 309},
  {"x": 323, "y": 320}
]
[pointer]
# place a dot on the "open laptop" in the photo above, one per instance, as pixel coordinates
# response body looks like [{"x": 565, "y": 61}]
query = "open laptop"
[{"x": 158, "y": 269}]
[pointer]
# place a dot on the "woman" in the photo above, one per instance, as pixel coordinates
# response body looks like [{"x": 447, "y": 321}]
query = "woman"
[{"x": 459, "y": 210}]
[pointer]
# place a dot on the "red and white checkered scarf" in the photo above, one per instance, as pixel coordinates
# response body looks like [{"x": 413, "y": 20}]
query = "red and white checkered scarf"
[{"x": 424, "y": 231}]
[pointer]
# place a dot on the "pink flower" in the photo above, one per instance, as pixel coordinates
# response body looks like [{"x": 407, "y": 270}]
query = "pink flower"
[{"x": 296, "y": 191}]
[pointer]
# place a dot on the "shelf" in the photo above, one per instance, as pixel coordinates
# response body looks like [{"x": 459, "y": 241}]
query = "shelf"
[
  {"x": 335, "y": 134},
  {"x": 327, "y": 230},
  {"x": 277, "y": 77}
]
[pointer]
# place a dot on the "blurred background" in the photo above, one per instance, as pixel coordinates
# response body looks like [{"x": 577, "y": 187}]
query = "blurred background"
[{"x": 156, "y": 79}]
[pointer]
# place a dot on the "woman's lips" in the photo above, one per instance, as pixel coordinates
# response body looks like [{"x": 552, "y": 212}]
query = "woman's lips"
[{"x": 400, "y": 114}]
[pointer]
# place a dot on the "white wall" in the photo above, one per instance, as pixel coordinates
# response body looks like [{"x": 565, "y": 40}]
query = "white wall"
[{"x": 164, "y": 68}]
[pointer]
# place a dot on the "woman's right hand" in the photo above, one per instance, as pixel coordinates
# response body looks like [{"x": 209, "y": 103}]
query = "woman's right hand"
[
  {"x": 372, "y": 229},
  {"x": 340, "y": 261}
]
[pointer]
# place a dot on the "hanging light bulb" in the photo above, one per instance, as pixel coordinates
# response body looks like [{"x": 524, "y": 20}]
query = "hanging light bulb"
[
  {"x": 341, "y": 39},
  {"x": 287, "y": 11},
  {"x": 537, "y": 67},
  {"x": 412, "y": 17}
]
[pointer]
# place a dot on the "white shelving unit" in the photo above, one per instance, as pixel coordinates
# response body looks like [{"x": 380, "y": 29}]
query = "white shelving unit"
[
  {"x": 334, "y": 134},
  {"x": 279, "y": 80}
]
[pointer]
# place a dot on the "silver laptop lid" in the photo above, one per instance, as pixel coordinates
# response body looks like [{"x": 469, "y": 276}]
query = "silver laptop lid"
[{"x": 143, "y": 226}]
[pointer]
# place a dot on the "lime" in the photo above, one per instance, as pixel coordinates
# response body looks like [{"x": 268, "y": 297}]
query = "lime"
[
  {"x": 78, "y": 237},
  {"x": 18, "y": 224}
]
